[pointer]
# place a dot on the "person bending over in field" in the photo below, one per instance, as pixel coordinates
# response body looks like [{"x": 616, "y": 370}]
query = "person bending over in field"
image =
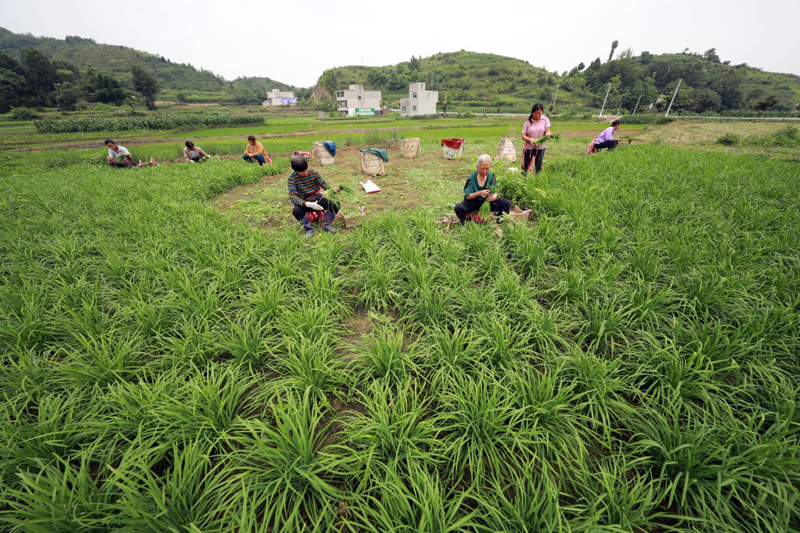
[
  {"x": 255, "y": 152},
  {"x": 606, "y": 139},
  {"x": 118, "y": 156},
  {"x": 307, "y": 194},
  {"x": 192, "y": 153},
  {"x": 479, "y": 189}
]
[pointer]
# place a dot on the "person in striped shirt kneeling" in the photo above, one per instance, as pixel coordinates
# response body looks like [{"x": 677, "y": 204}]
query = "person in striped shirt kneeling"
[{"x": 307, "y": 194}]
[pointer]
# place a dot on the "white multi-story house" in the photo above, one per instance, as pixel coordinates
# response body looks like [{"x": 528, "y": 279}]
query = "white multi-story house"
[
  {"x": 420, "y": 101},
  {"x": 276, "y": 98},
  {"x": 355, "y": 101}
]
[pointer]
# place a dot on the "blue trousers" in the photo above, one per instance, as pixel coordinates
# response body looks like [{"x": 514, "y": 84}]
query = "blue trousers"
[{"x": 257, "y": 157}]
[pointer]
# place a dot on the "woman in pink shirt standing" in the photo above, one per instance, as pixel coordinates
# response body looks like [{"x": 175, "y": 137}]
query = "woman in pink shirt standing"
[{"x": 536, "y": 126}]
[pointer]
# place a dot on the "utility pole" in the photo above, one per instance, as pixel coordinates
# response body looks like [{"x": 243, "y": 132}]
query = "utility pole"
[
  {"x": 637, "y": 105},
  {"x": 673, "y": 96},
  {"x": 620, "y": 107},
  {"x": 604, "y": 100},
  {"x": 554, "y": 97}
]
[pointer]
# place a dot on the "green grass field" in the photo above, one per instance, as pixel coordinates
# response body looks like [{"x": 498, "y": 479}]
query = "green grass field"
[
  {"x": 176, "y": 356},
  {"x": 284, "y": 135}
]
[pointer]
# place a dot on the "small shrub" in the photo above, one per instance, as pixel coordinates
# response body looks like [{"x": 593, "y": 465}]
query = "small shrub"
[
  {"x": 648, "y": 119},
  {"x": 24, "y": 113},
  {"x": 787, "y": 136},
  {"x": 729, "y": 139}
]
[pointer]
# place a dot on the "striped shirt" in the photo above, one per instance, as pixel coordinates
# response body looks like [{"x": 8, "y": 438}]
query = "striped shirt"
[{"x": 306, "y": 189}]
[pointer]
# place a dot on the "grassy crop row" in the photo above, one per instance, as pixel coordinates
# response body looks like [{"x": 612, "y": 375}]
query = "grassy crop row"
[
  {"x": 156, "y": 122},
  {"x": 628, "y": 362}
]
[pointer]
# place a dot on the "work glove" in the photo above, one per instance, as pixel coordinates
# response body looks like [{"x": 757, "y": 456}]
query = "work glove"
[{"x": 314, "y": 205}]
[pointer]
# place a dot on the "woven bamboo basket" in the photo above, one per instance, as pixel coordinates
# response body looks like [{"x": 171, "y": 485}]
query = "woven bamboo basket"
[
  {"x": 506, "y": 150},
  {"x": 409, "y": 147},
  {"x": 453, "y": 153},
  {"x": 321, "y": 154},
  {"x": 372, "y": 164}
]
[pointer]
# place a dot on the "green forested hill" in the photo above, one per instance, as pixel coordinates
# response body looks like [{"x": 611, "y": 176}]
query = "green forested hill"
[
  {"x": 475, "y": 79},
  {"x": 117, "y": 60},
  {"x": 707, "y": 83},
  {"x": 467, "y": 77},
  {"x": 260, "y": 85}
]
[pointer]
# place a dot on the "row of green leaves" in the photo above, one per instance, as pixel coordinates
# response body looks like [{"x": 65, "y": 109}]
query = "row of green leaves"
[
  {"x": 627, "y": 362},
  {"x": 155, "y": 122}
]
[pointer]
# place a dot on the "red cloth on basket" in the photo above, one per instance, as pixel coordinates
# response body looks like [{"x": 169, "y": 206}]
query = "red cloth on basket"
[{"x": 453, "y": 143}]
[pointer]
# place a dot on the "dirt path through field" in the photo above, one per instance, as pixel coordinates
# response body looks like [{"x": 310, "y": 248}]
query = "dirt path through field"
[{"x": 427, "y": 181}]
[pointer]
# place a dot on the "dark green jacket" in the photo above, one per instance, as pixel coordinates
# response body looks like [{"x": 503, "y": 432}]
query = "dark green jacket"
[{"x": 472, "y": 186}]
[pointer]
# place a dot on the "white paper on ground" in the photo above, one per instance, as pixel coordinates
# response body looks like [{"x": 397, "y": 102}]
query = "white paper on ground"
[{"x": 370, "y": 187}]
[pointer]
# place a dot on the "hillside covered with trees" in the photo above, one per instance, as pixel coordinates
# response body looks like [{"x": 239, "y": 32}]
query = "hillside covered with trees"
[
  {"x": 708, "y": 85},
  {"x": 31, "y": 68},
  {"x": 252, "y": 89},
  {"x": 112, "y": 59},
  {"x": 468, "y": 78},
  {"x": 43, "y": 71},
  {"x": 36, "y": 81}
]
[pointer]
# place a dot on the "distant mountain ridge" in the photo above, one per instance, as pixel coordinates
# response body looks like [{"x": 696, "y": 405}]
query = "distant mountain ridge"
[
  {"x": 465, "y": 77},
  {"x": 477, "y": 79},
  {"x": 117, "y": 61},
  {"x": 468, "y": 79}
]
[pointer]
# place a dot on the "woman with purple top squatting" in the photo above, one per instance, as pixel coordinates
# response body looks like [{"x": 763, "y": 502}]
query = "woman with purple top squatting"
[{"x": 606, "y": 139}]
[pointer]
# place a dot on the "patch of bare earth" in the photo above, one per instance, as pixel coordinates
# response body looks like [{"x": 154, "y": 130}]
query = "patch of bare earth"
[
  {"x": 694, "y": 132},
  {"x": 399, "y": 190}
]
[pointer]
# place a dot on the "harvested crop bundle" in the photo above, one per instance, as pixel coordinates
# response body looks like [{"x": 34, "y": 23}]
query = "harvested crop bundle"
[
  {"x": 485, "y": 211},
  {"x": 543, "y": 138}
]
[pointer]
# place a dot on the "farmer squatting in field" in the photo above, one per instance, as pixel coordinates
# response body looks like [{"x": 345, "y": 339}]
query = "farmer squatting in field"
[
  {"x": 255, "y": 151},
  {"x": 479, "y": 189},
  {"x": 307, "y": 193},
  {"x": 606, "y": 139},
  {"x": 193, "y": 154},
  {"x": 120, "y": 157}
]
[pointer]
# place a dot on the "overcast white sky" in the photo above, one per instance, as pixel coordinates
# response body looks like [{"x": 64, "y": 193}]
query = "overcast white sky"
[{"x": 294, "y": 42}]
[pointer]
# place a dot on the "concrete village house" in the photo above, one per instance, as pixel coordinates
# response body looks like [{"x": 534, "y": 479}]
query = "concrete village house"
[
  {"x": 419, "y": 102},
  {"x": 355, "y": 101}
]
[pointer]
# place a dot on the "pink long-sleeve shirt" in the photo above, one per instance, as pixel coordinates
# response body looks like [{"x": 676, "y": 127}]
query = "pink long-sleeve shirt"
[{"x": 535, "y": 130}]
